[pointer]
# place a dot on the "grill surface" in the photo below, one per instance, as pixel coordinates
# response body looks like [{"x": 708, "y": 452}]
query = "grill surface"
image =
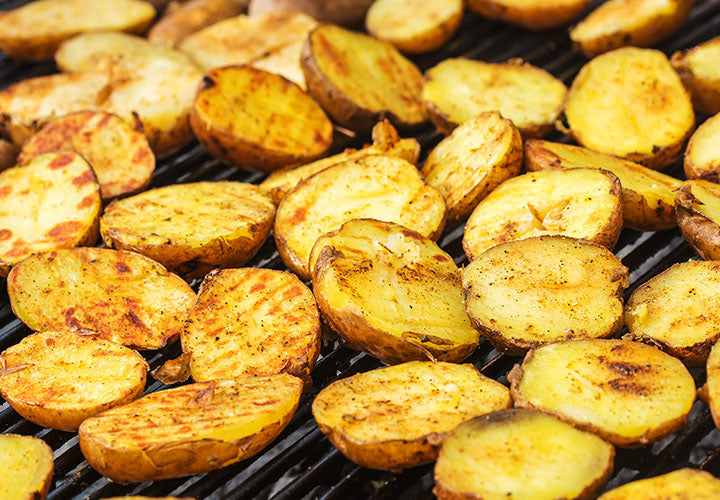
[{"x": 302, "y": 463}]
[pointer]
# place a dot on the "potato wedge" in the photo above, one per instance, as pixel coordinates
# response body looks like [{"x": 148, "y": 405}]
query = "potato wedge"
[
  {"x": 190, "y": 429},
  {"x": 249, "y": 117},
  {"x": 629, "y": 393},
  {"x": 58, "y": 379},
  {"x": 699, "y": 72},
  {"x": 267, "y": 322},
  {"x": 381, "y": 187},
  {"x": 191, "y": 228},
  {"x": 494, "y": 456},
  {"x": 126, "y": 297},
  {"x": 622, "y": 23},
  {"x": 392, "y": 293},
  {"x": 190, "y": 17},
  {"x": 52, "y": 202},
  {"x": 34, "y": 31},
  {"x": 119, "y": 155},
  {"x": 702, "y": 156},
  {"x": 648, "y": 195},
  {"x": 712, "y": 386},
  {"x": 677, "y": 485},
  {"x": 26, "y": 467},
  {"x": 531, "y": 15},
  {"x": 458, "y": 89},
  {"x": 581, "y": 203},
  {"x": 397, "y": 417},
  {"x": 526, "y": 293},
  {"x": 639, "y": 93},
  {"x": 697, "y": 209},
  {"x": 474, "y": 159},
  {"x": 342, "y": 12},
  {"x": 359, "y": 80}
]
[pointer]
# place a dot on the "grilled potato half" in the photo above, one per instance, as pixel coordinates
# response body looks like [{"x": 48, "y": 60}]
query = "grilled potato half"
[
  {"x": 52, "y": 202},
  {"x": 514, "y": 454},
  {"x": 697, "y": 208},
  {"x": 531, "y": 15},
  {"x": 249, "y": 117},
  {"x": 526, "y": 293},
  {"x": 581, "y": 203},
  {"x": 358, "y": 79},
  {"x": 266, "y": 322},
  {"x": 26, "y": 467},
  {"x": 190, "y": 17},
  {"x": 191, "y": 429},
  {"x": 343, "y": 12},
  {"x": 677, "y": 485},
  {"x": 648, "y": 196},
  {"x": 711, "y": 389},
  {"x": 392, "y": 293},
  {"x": 58, "y": 379},
  {"x": 637, "y": 91},
  {"x": 702, "y": 156},
  {"x": 397, "y": 417},
  {"x": 699, "y": 72},
  {"x": 458, "y": 89},
  {"x": 126, "y": 297},
  {"x": 627, "y": 392}
]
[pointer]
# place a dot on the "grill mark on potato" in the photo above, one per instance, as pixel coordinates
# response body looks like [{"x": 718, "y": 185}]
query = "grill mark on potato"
[
  {"x": 5, "y": 190},
  {"x": 86, "y": 202},
  {"x": 86, "y": 178},
  {"x": 5, "y": 234},
  {"x": 65, "y": 230},
  {"x": 60, "y": 161},
  {"x": 122, "y": 267}
]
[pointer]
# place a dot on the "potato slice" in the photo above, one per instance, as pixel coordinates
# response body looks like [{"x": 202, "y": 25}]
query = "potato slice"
[
  {"x": 697, "y": 208},
  {"x": 712, "y": 386},
  {"x": 267, "y": 322},
  {"x": 458, "y": 89},
  {"x": 473, "y": 160},
  {"x": 249, "y": 117},
  {"x": 648, "y": 196},
  {"x": 620, "y": 23},
  {"x": 639, "y": 93},
  {"x": 342, "y": 12},
  {"x": 190, "y": 17},
  {"x": 677, "y": 485},
  {"x": 702, "y": 156},
  {"x": 581, "y": 203},
  {"x": 119, "y": 155},
  {"x": 26, "y": 467},
  {"x": 627, "y": 392},
  {"x": 521, "y": 454},
  {"x": 397, "y": 417},
  {"x": 392, "y": 293},
  {"x": 380, "y": 187},
  {"x": 126, "y": 297},
  {"x": 190, "y": 429},
  {"x": 359, "y": 80},
  {"x": 34, "y": 31},
  {"x": 191, "y": 228},
  {"x": 52, "y": 202},
  {"x": 529, "y": 14},
  {"x": 526, "y": 293},
  {"x": 700, "y": 74},
  {"x": 58, "y": 379}
]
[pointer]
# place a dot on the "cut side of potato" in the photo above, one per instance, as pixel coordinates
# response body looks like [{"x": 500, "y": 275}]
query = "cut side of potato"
[
  {"x": 342, "y": 12},
  {"x": 458, "y": 89},
  {"x": 250, "y": 117},
  {"x": 392, "y": 293},
  {"x": 191, "y": 429},
  {"x": 58, "y": 379},
  {"x": 126, "y": 297},
  {"x": 119, "y": 155},
  {"x": 473, "y": 160},
  {"x": 677, "y": 485},
  {"x": 697, "y": 209},
  {"x": 397, "y": 417},
  {"x": 374, "y": 187},
  {"x": 530, "y": 14},
  {"x": 52, "y": 202},
  {"x": 629, "y": 393},
  {"x": 581, "y": 203},
  {"x": 712, "y": 386},
  {"x": 266, "y": 322},
  {"x": 26, "y": 467},
  {"x": 639, "y": 93},
  {"x": 358, "y": 79},
  {"x": 190, "y": 17},
  {"x": 702, "y": 156},
  {"x": 526, "y": 293},
  {"x": 648, "y": 195},
  {"x": 700, "y": 74},
  {"x": 521, "y": 454}
]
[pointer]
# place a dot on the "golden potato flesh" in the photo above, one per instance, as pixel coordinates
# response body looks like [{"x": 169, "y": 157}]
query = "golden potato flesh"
[
  {"x": 521, "y": 455},
  {"x": 250, "y": 322},
  {"x": 530, "y": 14},
  {"x": 627, "y": 392},
  {"x": 190, "y": 17},
  {"x": 631, "y": 103},
  {"x": 702, "y": 156},
  {"x": 580, "y": 203},
  {"x": 392, "y": 293},
  {"x": 648, "y": 195},
  {"x": 712, "y": 386},
  {"x": 529, "y": 292},
  {"x": 249, "y": 117},
  {"x": 472, "y": 161},
  {"x": 458, "y": 89},
  {"x": 697, "y": 209},
  {"x": 397, "y": 417},
  {"x": 62, "y": 378},
  {"x": 52, "y": 202},
  {"x": 26, "y": 467},
  {"x": 191, "y": 228},
  {"x": 190, "y": 429},
  {"x": 700, "y": 74},
  {"x": 126, "y": 297},
  {"x": 683, "y": 484}
]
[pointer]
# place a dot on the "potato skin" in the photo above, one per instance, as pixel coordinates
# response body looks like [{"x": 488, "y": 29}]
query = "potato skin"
[
  {"x": 702, "y": 233},
  {"x": 704, "y": 91},
  {"x": 535, "y": 16},
  {"x": 707, "y": 167},
  {"x": 190, "y": 17},
  {"x": 342, "y": 12}
]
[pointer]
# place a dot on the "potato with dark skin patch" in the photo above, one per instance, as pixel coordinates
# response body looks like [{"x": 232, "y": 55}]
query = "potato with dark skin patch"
[
  {"x": 343, "y": 12},
  {"x": 531, "y": 14},
  {"x": 8, "y": 154},
  {"x": 697, "y": 209},
  {"x": 26, "y": 467},
  {"x": 699, "y": 72},
  {"x": 702, "y": 156},
  {"x": 683, "y": 484},
  {"x": 189, "y": 17}
]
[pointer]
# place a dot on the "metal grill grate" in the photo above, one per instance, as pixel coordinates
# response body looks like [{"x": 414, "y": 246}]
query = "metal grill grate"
[{"x": 301, "y": 463}]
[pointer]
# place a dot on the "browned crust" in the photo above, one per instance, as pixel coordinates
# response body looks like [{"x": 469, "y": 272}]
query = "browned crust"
[
  {"x": 8, "y": 154},
  {"x": 705, "y": 93},
  {"x": 702, "y": 233},
  {"x": 535, "y": 17},
  {"x": 693, "y": 171},
  {"x": 692, "y": 355}
]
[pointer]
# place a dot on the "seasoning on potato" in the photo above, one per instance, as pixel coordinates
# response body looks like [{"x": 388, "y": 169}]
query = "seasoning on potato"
[
  {"x": 342, "y": 12},
  {"x": 700, "y": 74},
  {"x": 697, "y": 209},
  {"x": 190, "y": 17},
  {"x": 531, "y": 15},
  {"x": 702, "y": 156},
  {"x": 675, "y": 485},
  {"x": 26, "y": 467}
]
